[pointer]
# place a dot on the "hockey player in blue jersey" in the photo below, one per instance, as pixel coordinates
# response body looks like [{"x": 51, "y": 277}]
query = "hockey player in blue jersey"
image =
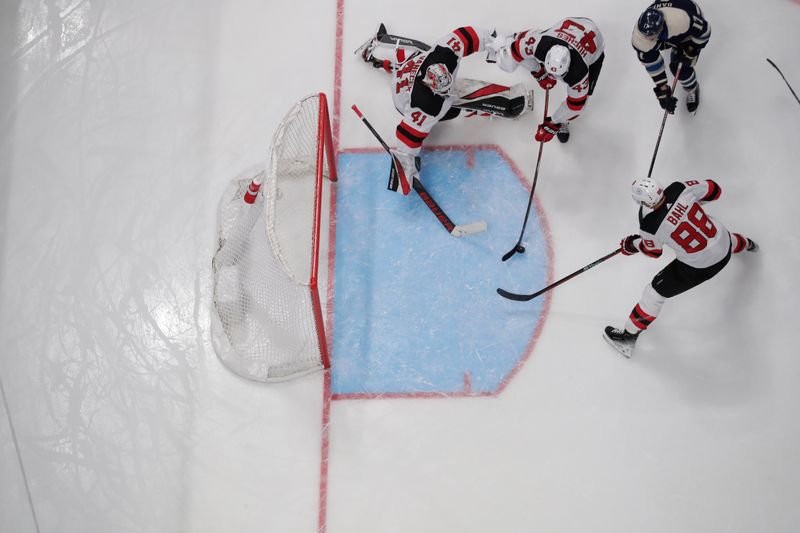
[{"x": 677, "y": 25}]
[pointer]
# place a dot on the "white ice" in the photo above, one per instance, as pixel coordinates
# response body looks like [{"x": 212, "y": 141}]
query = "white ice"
[{"x": 122, "y": 123}]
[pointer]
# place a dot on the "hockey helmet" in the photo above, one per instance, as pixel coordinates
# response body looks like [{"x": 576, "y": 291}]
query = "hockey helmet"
[
  {"x": 438, "y": 78},
  {"x": 651, "y": 23},
  {"x": 556, "y": 62},
  {"x": 647, "y": 191}
]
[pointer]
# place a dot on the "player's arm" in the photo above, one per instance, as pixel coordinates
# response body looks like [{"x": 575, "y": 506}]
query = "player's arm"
[
  {"x": 466, "y": 40},
  {"x": 571, "y": 108},
  {"x": 645, "y": 242},
  {"x": 650, "y": 58},
  {"x": 521, "y": 52},
  {"x": 704, "y": 190},
  {"x": 650, "y": 245}
]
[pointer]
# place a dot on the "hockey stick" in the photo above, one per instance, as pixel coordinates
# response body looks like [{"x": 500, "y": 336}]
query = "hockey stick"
[
  {"x": 454, "y": 229},
  {"x": 518, "y": 247},
  {"x": 525, "y": 297},
  {"x": 784, "y": 79},
  {"x": 664, "y": 121}
]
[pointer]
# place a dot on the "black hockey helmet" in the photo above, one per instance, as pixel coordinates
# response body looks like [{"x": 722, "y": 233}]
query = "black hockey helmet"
[{"x": 651, "y": 23}]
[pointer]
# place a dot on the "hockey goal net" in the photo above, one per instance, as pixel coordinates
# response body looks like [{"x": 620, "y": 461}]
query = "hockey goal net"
[{"x": 267, "y": 318}]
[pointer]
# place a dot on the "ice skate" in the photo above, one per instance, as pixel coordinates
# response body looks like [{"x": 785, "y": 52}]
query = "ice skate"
[
  {"x": 563, "y": 133},
  {"x": 365, "y": 50},
  {"x": 693, "y": 99},
  {"x": 621, "y": 340}
]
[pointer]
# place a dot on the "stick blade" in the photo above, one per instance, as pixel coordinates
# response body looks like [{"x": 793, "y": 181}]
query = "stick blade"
[
  {"x": 516, "y": 297},
  {"x": 469, "y": 229}
]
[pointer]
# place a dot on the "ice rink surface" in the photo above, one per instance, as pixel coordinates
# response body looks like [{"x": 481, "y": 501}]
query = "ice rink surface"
[{"x": 122, "y": 123}]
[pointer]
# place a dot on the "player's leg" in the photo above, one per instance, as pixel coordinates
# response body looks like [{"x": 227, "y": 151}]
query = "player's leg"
[
  {"x": 385, "y": 51},
  {"x": 485, "y": 98},
  {"x": 740, "y": 243},
  {"x": 667, "y": 283},
  {"x": 688, "y": 79}
]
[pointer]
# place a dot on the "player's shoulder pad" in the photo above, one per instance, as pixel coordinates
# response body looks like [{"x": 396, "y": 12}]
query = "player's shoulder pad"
[{"x": 651, "y": 221}]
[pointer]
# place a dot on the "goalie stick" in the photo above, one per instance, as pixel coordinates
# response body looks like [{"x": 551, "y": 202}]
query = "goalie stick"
[
  {"x": 526, "y": 297},
  {"x": 454, "y": 229},
  {"x": 784, "y": 79},
  {"x": 518, "y": 247}
]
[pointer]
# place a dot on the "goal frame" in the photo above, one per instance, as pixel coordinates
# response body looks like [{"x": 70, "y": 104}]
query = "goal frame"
[
  {"x": 285, "y": 258},
  {"x": 324, "y": 149}
]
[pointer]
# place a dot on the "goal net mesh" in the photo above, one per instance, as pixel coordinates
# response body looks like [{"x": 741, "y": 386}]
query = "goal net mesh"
[{"x": 267, "y": 319}]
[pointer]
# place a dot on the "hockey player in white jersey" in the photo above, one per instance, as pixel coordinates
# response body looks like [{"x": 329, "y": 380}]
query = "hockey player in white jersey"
[
  {"x": 703, "y": 246},
  {"x": 426, "y": 90},
  {"x": 678, "y": 25},
  {"x": 572, "y": 50}
]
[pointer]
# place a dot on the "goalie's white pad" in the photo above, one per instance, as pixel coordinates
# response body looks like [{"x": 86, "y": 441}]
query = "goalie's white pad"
[{"x": 494, "y": 99}]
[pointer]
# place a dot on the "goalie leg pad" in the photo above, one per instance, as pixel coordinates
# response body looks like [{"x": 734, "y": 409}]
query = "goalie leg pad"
[{"x": 496, "y": 100}]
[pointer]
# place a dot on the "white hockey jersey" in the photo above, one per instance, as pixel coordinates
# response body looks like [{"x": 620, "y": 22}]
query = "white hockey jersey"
[
  {"x": 585, "y": 43},
  {"x": 422, "y": 109},
  {"x": 698, "y": 239}
]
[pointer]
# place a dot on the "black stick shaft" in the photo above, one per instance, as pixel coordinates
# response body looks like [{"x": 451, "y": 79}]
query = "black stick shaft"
[
  {"x": 663, "y": 122},
  {"x": 784, "y": 79},
  {"x": 423, "y": 193},
  {"x": 533, "y": 186},
  {"x": 526, "y": 297}
]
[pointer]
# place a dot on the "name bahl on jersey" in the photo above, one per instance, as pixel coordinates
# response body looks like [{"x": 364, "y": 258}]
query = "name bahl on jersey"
[{"x": 680, "y": 223}]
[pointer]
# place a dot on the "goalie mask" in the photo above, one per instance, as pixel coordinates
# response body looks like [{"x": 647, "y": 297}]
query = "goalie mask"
[
  {"x": 647, "y": 192},
  {"x": 556, "y": 62},
  {"x": 438, "y": 79}
]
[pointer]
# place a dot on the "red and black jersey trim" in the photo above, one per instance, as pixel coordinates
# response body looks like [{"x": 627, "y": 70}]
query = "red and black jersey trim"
[
  {"x": 641, "y": 319},
  {"x": 576, "y": 104},
  {"x": 410, "y": 136},
  {"x": 714, "y": 192},
  {"x": 470, "y": 39},
  {"x": 515, "y": 53},
  {"x": 650, "y": 252}
]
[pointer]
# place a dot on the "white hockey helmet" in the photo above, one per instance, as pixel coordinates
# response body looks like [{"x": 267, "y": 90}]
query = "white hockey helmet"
[
  {"x": 438, "y": 78},
  {"x": 647, "y": 192},
  {"x": 556, "y": 62}
]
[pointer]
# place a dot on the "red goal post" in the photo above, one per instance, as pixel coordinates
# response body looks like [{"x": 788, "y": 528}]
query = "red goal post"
[{"x": 267, "y": 317}]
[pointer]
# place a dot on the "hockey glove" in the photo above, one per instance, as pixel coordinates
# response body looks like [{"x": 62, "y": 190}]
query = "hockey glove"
[
  {"x": 405, "y": 168},
  {"x": 630, "y": 244},
  {"x": 665, "y": 98},
  {"x": 546, "y": 130},
  {"x": 545, "y": 81}
]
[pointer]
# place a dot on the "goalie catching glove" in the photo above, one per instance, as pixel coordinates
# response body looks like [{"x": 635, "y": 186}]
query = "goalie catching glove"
[
  {"x": 630, "y": 244},
  {"x": 405, "y": 168}
]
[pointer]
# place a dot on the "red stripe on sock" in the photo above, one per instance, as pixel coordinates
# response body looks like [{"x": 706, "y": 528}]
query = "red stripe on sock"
[
  {"x": 637, "y": 323},
  {"x": 741, "y": 243},
  {"x": 644, "y": 315}
]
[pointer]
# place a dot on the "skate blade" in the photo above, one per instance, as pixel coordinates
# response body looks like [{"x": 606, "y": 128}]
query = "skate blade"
[{"x": 624, "y": 348}]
